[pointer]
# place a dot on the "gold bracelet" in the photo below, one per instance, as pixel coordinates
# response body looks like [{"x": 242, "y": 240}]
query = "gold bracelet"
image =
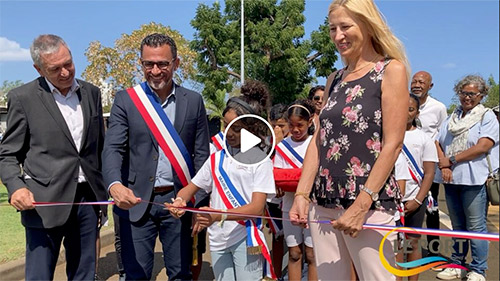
[{"x": 304, "y": 194}]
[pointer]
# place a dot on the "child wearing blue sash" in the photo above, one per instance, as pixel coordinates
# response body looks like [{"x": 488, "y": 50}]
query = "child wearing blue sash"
[
  {"x": 289, "y": 155},
  {"x": 420, "y": 154},
  {"x": 237, "y": 244}
]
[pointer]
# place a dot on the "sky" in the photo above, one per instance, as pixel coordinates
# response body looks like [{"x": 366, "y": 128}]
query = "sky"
[{"x": 449, "y": 39}]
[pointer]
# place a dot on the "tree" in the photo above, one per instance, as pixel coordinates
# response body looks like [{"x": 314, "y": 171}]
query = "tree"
[
  {"x": 119, "y": 67},
  {"x": 6, "y": 87},
  {"x": 275, "y": 51},
  {"x": 492, "y": 98}
]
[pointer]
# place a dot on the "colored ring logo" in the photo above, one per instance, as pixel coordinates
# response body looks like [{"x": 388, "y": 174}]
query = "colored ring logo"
[{"x": 413, "y": 267}]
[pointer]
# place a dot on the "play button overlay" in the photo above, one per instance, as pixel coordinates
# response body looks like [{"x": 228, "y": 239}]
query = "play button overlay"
[{"x": 249, "y": 139}]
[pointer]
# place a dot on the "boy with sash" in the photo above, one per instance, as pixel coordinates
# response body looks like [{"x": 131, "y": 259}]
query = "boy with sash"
[{"x": 157, "y": 139}]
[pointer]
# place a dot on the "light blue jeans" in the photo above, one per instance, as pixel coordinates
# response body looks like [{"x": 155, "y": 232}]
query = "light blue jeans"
[
  {"x": 234, "y": 263},
  {"x": 467, "y": 205}
]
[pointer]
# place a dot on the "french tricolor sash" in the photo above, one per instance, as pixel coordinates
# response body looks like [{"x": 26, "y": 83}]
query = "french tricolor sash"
[
  {"x": 289, "y": 154},
  {"x": 415, "y": 171},
  {"x": 256, "y": 243},
  {"x": 218, "y": 141},
  {"x": 164, "y": 132}
]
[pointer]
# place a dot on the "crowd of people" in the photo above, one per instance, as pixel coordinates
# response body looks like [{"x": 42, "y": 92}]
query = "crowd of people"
[{"x": 360, "y": 150}]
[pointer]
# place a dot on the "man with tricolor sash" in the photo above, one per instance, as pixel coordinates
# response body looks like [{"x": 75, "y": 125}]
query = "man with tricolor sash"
[{"x": 157, "y": 139}]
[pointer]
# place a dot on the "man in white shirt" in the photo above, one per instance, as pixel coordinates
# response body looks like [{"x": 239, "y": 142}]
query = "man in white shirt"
[{"x": 432, "y": 114}]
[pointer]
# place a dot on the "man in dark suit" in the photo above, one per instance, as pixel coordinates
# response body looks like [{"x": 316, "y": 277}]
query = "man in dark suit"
[
  {"x": 51, "y": 152},
  {"x": 137, "y": 170}
]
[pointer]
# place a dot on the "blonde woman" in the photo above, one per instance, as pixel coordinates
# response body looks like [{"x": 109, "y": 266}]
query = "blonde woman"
[{"x": 347, "y": 171}]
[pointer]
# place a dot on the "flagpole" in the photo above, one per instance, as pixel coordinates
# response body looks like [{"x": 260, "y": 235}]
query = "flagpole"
[{"x": 242, "y": 47}]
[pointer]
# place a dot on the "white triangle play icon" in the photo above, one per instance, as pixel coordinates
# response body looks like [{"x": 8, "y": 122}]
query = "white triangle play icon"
[{"x": 248, "y": 140}]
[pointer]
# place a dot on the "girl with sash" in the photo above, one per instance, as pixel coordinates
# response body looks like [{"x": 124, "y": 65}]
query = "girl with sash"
[
  {"x": 420, "y": 154},
  {"x": 237, "y": 244},
  {"x": 289, "y": 155}
]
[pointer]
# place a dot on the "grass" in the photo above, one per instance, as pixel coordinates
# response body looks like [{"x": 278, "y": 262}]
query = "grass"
[
  {"x": 12, "y": 242},
  {"x": 12, "y": 236}
]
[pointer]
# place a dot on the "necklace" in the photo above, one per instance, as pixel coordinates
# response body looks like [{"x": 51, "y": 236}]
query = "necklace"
[{"x": 361, "y": 67}]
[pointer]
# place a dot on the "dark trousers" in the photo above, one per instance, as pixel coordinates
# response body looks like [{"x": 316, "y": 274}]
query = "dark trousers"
[
  {"x": 138, "y": 242},
  {"x": 432, "y": 221},
  {"x": 80, "y": 235}
]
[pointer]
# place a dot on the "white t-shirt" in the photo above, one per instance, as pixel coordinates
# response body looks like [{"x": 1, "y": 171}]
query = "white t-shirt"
[
  {"x": 280, "y": 162},
  {"x": 247, "y": 180},
  {"x": 401, "y": 171},
  {"x": 423, "y": 149},
  {"x": 432, "y": 114}
]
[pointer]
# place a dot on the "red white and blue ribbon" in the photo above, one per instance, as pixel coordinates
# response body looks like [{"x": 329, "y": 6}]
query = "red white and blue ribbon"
[
  {"x": 164, "y": 132},
  {"x": 289, "y": 154},
  {"x": 218, "y": 141},
  {"x": 415, "y": 171},
  {"x": 494, "y": 237},
  {"x": 233, "y": 199}
]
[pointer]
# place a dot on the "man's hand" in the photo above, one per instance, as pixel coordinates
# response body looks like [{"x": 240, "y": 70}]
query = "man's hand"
[
  {"x": 123, "y": 196},
  {"x": 22, "y": 199}
]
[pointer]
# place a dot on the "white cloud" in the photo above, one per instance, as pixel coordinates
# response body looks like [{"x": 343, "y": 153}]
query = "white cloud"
[
  {"x": 449, "y": 65},
  {"x": 12, "y": 51}
]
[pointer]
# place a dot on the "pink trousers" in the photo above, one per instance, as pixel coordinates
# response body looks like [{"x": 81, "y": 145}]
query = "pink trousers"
[{"x": 334, "y": 250}]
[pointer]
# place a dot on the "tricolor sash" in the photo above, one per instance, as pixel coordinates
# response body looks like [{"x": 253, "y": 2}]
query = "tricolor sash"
[
  {"x": 218, "y": 141},
  {"x": 289, "y": 154},
  {"x": 256, "y": 243},
  {"x": 415, "y": 171},
  {"x": 164, "y": 132}
]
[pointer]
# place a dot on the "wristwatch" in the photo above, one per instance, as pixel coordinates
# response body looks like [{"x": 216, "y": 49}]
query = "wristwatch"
[
  {"x": 373, "y": 195},
  {"x": 453, "y": 160}
]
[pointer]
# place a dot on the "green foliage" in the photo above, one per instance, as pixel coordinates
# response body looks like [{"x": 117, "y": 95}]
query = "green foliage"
[
  {"x": 275, "y": 51},
  {"x": 492, "y": 98},
  {"x": 6, "y": 87},
  {"x": 118, "y": 67}
]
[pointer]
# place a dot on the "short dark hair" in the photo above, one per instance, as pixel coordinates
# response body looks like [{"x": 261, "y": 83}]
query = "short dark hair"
[
  {"x": 314, "y": 90},
  {"x": 277, "y": 112},
  {"x": 157, "y": 40}
]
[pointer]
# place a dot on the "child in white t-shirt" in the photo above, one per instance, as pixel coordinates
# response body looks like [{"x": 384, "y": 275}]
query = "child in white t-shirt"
[
  {"x": 289, "y": 155},
  {"x": 238, "y": 188},
  {"x": 421, "y": 156}
]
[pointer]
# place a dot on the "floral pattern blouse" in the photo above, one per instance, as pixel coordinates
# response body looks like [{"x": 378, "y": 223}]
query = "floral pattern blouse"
[{"x": 350, "y": 142}]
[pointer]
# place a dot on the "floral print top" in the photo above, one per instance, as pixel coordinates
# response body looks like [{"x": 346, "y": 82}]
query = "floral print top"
[{"x": 350, "y": 142}]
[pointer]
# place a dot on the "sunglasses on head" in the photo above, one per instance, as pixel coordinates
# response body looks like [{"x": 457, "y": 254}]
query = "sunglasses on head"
[{"x": 316, "y": 98}]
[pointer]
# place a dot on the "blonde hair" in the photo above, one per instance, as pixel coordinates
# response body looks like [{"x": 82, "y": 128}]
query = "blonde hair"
[{"x": 383, "y": 40}]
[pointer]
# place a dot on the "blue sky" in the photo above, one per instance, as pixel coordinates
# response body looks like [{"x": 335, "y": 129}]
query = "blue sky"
[{"x": 449, "y": 39}]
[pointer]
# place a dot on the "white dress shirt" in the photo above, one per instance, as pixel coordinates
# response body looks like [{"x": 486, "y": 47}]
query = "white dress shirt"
[{"x": 71, "y": 110}]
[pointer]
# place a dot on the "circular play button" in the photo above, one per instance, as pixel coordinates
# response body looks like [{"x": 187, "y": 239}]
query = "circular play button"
[{"x": 249, "y": 139}]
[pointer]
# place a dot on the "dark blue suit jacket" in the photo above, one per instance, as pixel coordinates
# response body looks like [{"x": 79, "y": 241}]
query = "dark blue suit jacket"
[{"x": 131, "y": 152}]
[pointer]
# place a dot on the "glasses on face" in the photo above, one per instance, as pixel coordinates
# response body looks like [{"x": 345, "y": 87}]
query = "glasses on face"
[
  {"x": 316, "y": 98},
  {"x": 467, "y": 94},
  {"x": 163, "y": 65}
]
